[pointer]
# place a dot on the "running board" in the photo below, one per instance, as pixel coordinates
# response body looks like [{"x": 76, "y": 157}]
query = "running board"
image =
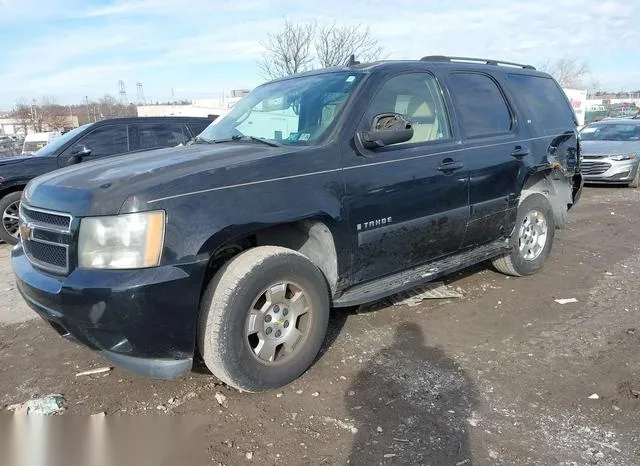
[{"x": 407, "y": 279}]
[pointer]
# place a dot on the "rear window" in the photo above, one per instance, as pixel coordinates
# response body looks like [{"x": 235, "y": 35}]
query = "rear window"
[
  {"x": 549, "y": 111},
  {"x": 482, "y": 107},
  {"x": 198, "y": 127}
]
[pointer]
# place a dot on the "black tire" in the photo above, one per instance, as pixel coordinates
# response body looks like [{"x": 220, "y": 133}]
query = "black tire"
[
  {"x": 636, "y": 179},
  {"x": 229, "y": 299},
  {"x": 5, "y": 202},
  {"x": 515, "y": 262}
]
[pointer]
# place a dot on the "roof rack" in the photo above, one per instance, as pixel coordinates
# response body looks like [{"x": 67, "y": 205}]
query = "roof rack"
[{"x": 443, "y": 58}]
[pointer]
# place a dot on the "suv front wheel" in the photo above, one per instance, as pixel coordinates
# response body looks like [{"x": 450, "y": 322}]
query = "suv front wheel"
[
  {"x": 263, "y": 318},
  {"x": 10, "y": 207},
  {"x": 531, "y": 240}
]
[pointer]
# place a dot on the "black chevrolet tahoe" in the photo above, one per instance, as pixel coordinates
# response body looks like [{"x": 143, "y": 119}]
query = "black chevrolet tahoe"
[
  {"x": 325, "y": 189},
  {"x": 93, "y": 141}
]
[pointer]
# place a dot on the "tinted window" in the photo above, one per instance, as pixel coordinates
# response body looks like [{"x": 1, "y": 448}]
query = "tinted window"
[
  {"x": 418, "y": 97},
  {"x": 198, "y": 127},
  {"x": 106, "y": 140},
  {"x": 482, "y": 107},
  {"x": 545, "y": 101},
  {"x": 153, "y": 135}
]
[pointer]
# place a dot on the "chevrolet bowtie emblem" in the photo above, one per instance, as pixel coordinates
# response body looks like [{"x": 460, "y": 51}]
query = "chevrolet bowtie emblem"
[{"x": 25, "y": 231}]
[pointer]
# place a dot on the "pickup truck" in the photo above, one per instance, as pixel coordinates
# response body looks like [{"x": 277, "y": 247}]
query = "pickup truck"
[{"x": 326, "y": 189}]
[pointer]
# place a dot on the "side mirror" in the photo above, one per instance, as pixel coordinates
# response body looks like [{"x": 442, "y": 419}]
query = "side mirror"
[
  {"x": 78, "y": 152},
  {"x": 387, "y": 129}
]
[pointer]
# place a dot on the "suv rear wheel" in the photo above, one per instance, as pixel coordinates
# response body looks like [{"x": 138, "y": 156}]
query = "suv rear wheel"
[
  {"x": 10, "y": 206},
  {"x": 263, "y": 318},
  {"x": 531, "y": 240}
]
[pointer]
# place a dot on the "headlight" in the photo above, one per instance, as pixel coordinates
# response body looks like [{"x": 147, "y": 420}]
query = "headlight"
[
  {"x": 128, "y": 241},
  {"x": 623, "y": 157}
]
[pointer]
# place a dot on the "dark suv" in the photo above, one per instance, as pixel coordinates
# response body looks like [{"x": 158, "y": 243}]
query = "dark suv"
[
  {"x": 88, "y": 142},
  {"x": 326, "y": 189}
]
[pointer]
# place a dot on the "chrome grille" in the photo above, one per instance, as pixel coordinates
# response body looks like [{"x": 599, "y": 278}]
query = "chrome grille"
[
  {"x": 46, "y": 237},
  {"x": 46, "y": 219},
  {"x": 594, "y": 168}
]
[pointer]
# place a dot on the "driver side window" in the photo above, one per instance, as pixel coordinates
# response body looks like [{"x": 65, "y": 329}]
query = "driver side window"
[
  {"x": 104, "y": 141},
  {"x": 416, "y": 96}
]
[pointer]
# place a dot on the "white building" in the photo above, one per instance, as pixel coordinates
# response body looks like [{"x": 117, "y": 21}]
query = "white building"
[
  {"x": 198, "y": 108},
  {"x": 10, "y": 127}
]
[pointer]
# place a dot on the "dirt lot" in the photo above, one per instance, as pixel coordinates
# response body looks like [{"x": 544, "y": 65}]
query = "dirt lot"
[{"x": 502, "y": 376}]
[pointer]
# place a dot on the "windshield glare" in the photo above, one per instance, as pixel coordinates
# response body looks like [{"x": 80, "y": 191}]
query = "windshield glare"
[
  {"x": 54, "y": 145},
  {"x": 611, "y": 132},
  {"x": 293, "y": 111}
]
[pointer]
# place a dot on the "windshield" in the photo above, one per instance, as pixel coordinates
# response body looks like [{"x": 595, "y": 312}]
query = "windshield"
[
  {"x": 611, "y": 132},
  {"x": 54, "y": 145},
  {"x": 293, "y": 111}
]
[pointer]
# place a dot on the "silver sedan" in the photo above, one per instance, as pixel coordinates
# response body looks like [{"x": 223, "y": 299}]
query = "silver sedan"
[{"x": 611, "y": 152}]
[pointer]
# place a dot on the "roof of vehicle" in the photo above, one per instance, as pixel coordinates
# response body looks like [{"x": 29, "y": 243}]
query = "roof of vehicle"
[
  {"x": 147, "y": 119},
  {"x": 613, "y": 121},
  {"x": 428, "y": 61}
]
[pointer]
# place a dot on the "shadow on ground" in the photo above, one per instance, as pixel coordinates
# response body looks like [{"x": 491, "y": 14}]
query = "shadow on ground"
[{"x": 411, "y": 404}]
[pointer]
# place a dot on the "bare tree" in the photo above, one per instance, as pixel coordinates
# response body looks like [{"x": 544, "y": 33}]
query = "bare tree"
[
  {"x": 288, "y": 51},
  {"x": 334, "y": 45},
  {"x": 568, "y": 71},
  {"x": 22, "y": 113}
]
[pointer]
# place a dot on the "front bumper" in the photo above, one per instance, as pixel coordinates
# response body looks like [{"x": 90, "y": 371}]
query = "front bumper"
[
  {"x": 143, "y": 320},
  {"x": 609, "y": 171}
]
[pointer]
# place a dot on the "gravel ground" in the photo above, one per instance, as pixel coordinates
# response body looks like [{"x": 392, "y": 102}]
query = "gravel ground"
[{"x": 504, "y": 375}]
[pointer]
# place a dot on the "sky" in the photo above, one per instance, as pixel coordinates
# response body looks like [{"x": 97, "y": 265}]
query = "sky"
[{"x": 70, "y": 49}]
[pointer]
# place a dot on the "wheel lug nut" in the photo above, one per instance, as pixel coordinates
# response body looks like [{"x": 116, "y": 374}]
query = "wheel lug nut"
[
  {"x": 276, "y": 309},
  {"x": 285, "y": 311},
  {"x": 267, "y": 318},
  {"x": 268, "y": 331},
  {"x": 286, "y": 324},
  {"x": 278, "y": 333}
]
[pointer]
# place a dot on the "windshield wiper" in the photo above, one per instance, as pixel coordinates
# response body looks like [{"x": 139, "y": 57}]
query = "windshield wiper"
[
  {"x": 254, "y": 138},
  {"x": 200, "y": 140}
]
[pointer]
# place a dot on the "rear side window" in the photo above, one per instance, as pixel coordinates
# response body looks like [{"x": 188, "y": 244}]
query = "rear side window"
[
  {"x": 546, "y": 103},
  {"x": 483, "y": 110},
  {"x": 155, "y": 135}
]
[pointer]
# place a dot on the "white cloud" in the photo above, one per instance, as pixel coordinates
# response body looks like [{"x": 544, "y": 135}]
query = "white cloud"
[{"x": 86, "y": 46}]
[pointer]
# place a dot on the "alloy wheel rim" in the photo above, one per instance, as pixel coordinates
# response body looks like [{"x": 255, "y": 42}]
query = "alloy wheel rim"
[
  {"x": 533, "y": 235},
  {"x": 11, "y": 219},
  {"x": 278, "y": 322}
]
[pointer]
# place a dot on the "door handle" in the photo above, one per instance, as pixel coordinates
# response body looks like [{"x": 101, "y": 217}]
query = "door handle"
[
  {"x": 520, "y": 151},
  {"x": 448, "y": 165}
]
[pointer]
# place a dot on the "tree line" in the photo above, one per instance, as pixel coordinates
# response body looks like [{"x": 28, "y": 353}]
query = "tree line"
[
  {"x": 299, "y": 47},
  {"x": 46, "y": 114}
]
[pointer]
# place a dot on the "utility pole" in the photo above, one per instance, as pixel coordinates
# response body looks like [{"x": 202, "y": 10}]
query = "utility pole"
[
  {"x": 123, "y": 93},
  {"x": 141, "y": 99}
]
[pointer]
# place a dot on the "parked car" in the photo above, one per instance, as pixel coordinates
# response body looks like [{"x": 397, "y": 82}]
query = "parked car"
[
  {"x": 331, "y": 188},
  {"x": 36, "y": 141},
  {"x": 89, "y": 142},
  {"x": 611, "y": 152},
  {"x": 7, "y": 148}
]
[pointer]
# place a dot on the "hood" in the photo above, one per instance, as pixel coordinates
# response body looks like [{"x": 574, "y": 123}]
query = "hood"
[
  {"x": 102, "y": 187},
  {"x": 606, "y": 148},
  {"x": 14, "y": 160}
]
